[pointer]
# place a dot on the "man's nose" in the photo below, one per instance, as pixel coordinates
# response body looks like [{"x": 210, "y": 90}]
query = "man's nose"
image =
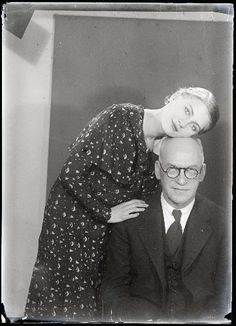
[{"x": 181, "y": 179}]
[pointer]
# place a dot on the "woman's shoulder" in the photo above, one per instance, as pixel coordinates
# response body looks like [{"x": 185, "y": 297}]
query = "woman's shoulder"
[
  {"x": 118, "y": 111},
  {"x": 125, "y": 107},
  {"x": 126, "y": 111},
  {"x": 111, "y": 118}
]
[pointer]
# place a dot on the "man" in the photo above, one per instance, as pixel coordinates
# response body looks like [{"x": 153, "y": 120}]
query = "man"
[{"x": 172, "y": 262}]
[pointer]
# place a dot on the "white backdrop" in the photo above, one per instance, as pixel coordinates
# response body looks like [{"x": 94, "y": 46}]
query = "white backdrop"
[{"x": 26, "y": 116}]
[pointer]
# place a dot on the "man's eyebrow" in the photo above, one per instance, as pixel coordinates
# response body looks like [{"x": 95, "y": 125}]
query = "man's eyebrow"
[
  {"x": 180, "y": 167},
  {"x": 193, "y": 166}
]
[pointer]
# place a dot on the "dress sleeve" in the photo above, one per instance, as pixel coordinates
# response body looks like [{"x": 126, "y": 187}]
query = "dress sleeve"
[
  {"x": 96, "y": 147},
  {"x": 73, "y": 179}
]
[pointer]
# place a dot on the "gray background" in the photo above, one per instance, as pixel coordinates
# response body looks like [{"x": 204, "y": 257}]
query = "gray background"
[{"x": 101, "y": 61}]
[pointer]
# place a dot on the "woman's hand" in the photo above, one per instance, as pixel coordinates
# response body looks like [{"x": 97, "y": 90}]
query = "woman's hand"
[{"x": 127, "y": 210}]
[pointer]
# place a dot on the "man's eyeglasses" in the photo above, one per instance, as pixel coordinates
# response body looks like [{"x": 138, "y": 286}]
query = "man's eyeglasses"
[{"x": 173, "y": 172}]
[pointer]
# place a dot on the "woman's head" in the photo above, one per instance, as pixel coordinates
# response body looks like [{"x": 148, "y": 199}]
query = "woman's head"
[{"x": 189, "y": 111}]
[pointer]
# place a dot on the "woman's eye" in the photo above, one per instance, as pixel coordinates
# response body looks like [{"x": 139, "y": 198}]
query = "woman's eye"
[
  {"x": 194, "y": 128},
  {"x": 186, "y": 110}
]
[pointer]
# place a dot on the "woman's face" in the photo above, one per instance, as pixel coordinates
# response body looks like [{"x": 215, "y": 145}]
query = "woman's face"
[{"x": 184, "y": 117}]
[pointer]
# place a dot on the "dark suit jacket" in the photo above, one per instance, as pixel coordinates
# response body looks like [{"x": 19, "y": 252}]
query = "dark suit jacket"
[{"x": 134, "y": 283}]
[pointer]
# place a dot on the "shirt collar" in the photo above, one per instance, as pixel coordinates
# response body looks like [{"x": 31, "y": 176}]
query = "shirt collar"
[
  {"x": 167, "y": 213},
  {"x": 185, "y": 210}
]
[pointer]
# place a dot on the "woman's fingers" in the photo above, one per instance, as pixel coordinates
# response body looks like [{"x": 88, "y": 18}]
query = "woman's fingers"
[
  {"x": 134, "y": 203},
  {"x": 135, "y": 209},
  {"x": 133, "y": 206},
  {"x": 134, "y": 212},
  {"x": 127, "y": 217},
  {"x": 127, "y": 210}
]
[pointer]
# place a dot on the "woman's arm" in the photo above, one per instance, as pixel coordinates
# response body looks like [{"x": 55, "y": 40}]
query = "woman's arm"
[
  {"x": 101, "y": 145},
  {"x": 73, "y": 179}
]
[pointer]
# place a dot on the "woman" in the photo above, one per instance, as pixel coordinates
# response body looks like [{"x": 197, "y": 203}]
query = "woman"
[{"x": 110, "y": 168}]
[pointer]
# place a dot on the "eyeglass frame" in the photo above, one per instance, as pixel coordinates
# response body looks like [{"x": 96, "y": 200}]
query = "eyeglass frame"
[{"x": 179, "y": 170}]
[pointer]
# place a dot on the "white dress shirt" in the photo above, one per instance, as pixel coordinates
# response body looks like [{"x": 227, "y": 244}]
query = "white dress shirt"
[{"x": 167, "y": 210}]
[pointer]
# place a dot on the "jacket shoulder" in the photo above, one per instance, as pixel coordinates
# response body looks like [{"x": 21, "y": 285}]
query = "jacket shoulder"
[
  {"x": 210, "y": 204},
  {"x": 217, "y": 215},
  {"x": 153, "y": 201}
]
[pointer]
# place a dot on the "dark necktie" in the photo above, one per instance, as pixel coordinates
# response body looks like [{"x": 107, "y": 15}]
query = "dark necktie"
[{"x": 174, "y": 233}]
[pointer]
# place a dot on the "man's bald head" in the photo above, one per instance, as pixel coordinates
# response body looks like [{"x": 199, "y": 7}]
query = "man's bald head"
[{"x": 181, "y": 146}]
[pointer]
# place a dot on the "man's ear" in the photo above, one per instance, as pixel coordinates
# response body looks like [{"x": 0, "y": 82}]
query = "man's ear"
[
  {"x": 203, "y": 172},
  {"x": 157, "y": 170}
]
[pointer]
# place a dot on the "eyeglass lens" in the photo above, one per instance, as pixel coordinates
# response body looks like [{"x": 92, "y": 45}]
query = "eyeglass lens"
[{"x": 190, "y": 173}]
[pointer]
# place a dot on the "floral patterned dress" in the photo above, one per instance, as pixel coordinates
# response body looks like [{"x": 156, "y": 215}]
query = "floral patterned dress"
[{"x": 108, "y": 164}]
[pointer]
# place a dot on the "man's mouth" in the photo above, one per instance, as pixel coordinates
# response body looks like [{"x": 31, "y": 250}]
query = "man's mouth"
[{"x": 180, "y": 189}]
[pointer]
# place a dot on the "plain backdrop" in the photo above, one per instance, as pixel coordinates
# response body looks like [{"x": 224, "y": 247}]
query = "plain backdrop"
[{"x": 101, "y": 61}]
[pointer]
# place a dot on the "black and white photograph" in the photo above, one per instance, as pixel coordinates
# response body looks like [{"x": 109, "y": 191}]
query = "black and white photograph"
[{"x": 117, "y": 162}]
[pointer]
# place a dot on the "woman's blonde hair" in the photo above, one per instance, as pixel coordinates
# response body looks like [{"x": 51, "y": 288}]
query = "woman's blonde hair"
[{"x": 205, "y": 96}]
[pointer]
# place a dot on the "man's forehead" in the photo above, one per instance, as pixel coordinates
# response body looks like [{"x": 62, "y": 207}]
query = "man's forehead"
[
  {"x": 180, "y": 146},
  {"x": 184, "y": 159}
]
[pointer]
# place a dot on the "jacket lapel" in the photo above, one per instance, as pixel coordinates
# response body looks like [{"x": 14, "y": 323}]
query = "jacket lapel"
[
  {"x": 197, "y": 232},
  {"x": 150, "y": 231}
]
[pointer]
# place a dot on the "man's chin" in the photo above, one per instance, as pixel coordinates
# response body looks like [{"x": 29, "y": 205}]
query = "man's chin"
[{"x": 181, "y": 200}]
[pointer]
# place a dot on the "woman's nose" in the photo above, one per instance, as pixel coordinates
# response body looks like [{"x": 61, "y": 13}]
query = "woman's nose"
[{"x": 183, "y": 122}]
